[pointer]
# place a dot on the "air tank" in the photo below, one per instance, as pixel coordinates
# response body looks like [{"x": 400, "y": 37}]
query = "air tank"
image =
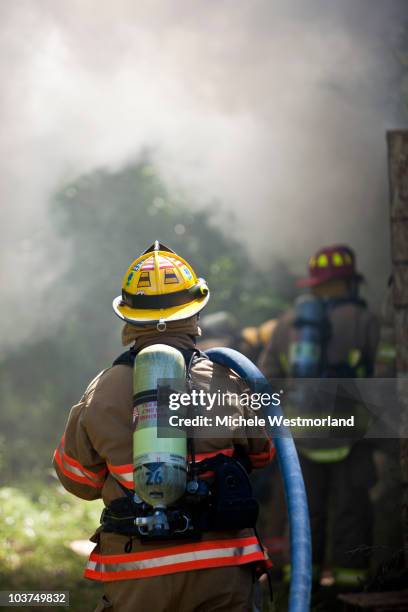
[
  {"x": 159, "y": 463},
  {"x": 311, "y": 328}
]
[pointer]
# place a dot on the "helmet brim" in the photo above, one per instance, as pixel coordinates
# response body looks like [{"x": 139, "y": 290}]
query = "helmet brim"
[
  {"x": 311, "y": 281},
  {"x": 146, "y": 316}
]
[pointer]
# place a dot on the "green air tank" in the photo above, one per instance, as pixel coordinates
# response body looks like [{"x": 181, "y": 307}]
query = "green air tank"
[{"x": 159, "y": 463}]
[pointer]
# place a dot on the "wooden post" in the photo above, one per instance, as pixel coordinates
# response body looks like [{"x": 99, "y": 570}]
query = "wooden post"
[{"x": 398, "y": 176}]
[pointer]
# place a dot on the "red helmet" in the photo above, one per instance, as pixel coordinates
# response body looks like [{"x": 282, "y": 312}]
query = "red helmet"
[{"x": 329, "y": 263}]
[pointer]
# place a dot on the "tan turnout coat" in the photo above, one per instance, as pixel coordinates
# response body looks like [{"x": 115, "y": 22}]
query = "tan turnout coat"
[{"x": 95, "y": 454}]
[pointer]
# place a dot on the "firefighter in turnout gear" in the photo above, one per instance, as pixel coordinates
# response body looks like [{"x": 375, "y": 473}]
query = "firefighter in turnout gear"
[
  {"x": 331, "y": 333},
  {"x": 222, "y": 329},
  {"x": 155, "y": 549}
]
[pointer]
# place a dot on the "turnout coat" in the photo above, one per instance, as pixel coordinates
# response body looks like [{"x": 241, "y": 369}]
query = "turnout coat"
[{"x": 95, "y": 455}]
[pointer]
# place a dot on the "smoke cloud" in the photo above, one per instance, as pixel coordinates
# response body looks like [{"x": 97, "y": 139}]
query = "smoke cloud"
[{"x": 278, "y": 108}]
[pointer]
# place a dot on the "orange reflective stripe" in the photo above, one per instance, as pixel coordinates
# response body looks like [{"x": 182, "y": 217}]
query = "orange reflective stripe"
[
  {"x": 126, "y": 483},
  {"x": 99, "y": 574},
  {"x": 261, "y": 459},
  {"x": 174, "y": 550},
  {"x": 70, "y": 474},
  {"x": 73, "y": 470},
  {"x": 201, "y": 456},
  {"x": 123, "y": 474},
  {"x": 93, "y": 475},
  {"x": 120, "y": 469},
  {"x": 198, "y": 555}
]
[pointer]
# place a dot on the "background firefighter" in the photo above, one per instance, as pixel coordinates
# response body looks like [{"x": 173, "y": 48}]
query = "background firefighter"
[
  {"x": 222, "y": 329},
  {"x": 336, "y": 477},
  {"x": 94, "y": 458}
]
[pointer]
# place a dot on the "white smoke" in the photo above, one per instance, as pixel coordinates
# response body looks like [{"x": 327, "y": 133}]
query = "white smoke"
[{"x": 278, "y": 108}]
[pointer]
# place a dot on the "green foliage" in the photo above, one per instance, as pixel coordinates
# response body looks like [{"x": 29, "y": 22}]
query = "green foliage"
[{"x": 35, "y": 532}]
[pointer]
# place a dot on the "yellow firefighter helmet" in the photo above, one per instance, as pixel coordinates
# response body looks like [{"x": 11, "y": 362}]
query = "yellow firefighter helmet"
[
  {"x": 160, "y": 286},
  {"x": 266, "y": 330}
]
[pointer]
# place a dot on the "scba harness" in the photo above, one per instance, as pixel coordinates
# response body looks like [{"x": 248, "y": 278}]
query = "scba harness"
[
  {"x": 218, "y": 493},
  {"x": 225, "y": 504}
]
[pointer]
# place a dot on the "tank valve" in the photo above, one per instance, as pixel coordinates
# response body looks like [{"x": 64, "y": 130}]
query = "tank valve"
[{"x": 156, "y": 523}]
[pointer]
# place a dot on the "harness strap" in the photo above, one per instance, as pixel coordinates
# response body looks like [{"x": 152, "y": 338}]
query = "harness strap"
[{"x": 128, "y": 357}]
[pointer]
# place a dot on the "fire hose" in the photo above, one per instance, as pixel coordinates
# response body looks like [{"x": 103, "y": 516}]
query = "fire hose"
[{"x": 295, "y": 493}]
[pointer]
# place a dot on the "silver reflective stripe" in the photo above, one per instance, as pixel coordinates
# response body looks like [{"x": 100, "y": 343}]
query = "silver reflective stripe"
[
  {"x": 325, "y": 455},
  {"x": 91, "y": 565},
  {"x": 349, "y": 576},
  {"x": 78, "y": 471},
  {"x": 126, "y": 476},
  {"x": 198, "y": 555}
]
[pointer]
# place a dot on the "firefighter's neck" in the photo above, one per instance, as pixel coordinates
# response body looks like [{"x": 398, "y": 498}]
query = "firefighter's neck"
[
  {"x": 180, "y": 341},
  {"x": 335, "y": 288}
]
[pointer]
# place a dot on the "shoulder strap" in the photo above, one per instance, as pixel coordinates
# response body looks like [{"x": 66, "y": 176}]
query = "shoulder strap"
[{"x": 128, "y": 357}]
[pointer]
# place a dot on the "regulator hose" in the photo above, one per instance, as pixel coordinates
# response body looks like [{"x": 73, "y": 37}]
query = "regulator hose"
[{"x": 295, "y": 493}]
